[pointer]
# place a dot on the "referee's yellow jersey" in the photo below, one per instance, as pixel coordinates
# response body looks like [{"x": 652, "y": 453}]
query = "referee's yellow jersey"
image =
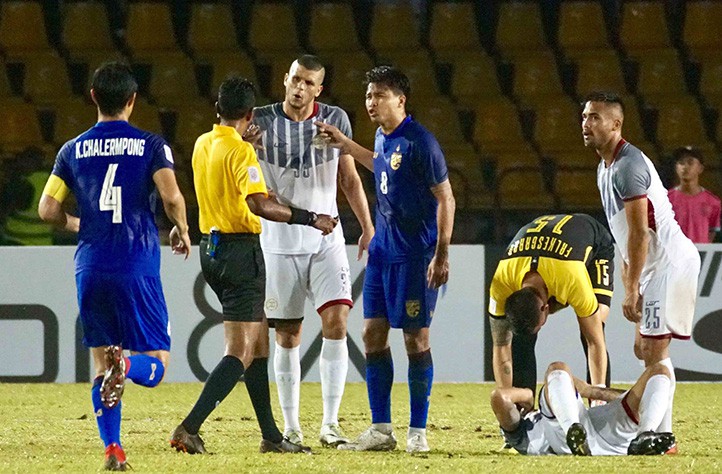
[{"x": 226, "y": 170}]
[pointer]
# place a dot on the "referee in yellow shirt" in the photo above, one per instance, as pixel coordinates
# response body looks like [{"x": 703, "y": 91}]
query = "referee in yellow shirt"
[{"x": 231, "y": 195}]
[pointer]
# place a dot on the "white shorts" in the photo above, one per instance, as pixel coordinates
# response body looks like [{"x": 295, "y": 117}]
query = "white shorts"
[
  {"x": 322, "y": 277},
  {"x": 669, "y": 299}
]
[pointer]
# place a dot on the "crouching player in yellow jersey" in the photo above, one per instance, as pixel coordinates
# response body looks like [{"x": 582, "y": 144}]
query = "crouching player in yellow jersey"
[{"x": 553, "y": 262}]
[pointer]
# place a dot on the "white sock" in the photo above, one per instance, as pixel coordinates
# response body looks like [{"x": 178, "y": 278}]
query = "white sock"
[
  {"x": 666, "y": 425},
  {"x": 287, "y": 365},
  {"x": 653, "y": 405},
  {"x": 563, "y": 398},
  {"x": 334, "y": 367},
  {"x": 413, "y": 431}
]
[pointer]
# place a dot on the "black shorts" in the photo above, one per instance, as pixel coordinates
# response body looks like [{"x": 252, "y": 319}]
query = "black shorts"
[
  {"x": 237, "y": 275},
  {"x": 601, "y": 264}
]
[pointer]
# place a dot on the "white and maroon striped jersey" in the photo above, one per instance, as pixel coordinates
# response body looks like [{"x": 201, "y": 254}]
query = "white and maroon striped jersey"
[
  {"x": 300, "y": 174},
  {"x": 633, "y": 176}
]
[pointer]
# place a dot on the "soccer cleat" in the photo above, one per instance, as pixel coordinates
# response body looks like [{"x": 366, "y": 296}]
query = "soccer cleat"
[
  {"x": 183, "y": 441},
  {"x": 416, "y": 443},
  {"x": 283, "y": 446},
  {"x": 577, "y": 440},
  {"x": 649, "y": 443},
  {"x": 371, "y": 440},
  {"x": 331, "y": 436},
  {"x": 111, "y": 390},
  {"x": 115, "y": 458},
  {"x": 294, "y": 436}
]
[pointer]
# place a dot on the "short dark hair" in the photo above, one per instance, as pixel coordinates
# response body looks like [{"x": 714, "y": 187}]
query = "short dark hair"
[
  {"x": 683, "y": 151},
  {"x": 311, "y": 62},
  {"x": 523, "y": 310},
  {"x": 607, "y": 97},
  {"x": 390, "y": 77},
  {"x": 236, "y": 97},
  {"x": 113, "y": 85}
]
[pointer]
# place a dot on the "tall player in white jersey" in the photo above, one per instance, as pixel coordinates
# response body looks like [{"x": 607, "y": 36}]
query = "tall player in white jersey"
[
  {"x": 302, "y": 264},
  {"x": 627, "y": 424},
  {"x": 660, "y": 264}
]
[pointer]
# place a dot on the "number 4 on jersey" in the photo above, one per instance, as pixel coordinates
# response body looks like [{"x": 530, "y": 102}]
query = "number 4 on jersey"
[{"x": 110, "y": 196}]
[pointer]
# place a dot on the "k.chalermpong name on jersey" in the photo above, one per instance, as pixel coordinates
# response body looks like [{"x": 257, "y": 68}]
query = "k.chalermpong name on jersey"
[
  {"x": 109, "y": 147},
  {"x": 544, "y": 243}
]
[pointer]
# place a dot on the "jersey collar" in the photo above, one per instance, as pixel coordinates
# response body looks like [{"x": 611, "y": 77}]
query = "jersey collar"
[
  {"x": 225, "y": 130},
  {"x": 314, "y": 112},
  {"x": 397, "y": 131}
]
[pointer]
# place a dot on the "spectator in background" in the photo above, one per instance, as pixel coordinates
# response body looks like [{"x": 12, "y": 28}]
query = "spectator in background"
[{"x": 696, "y": 209}]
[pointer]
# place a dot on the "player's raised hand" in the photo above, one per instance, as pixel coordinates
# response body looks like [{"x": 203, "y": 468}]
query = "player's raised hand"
[
  {"x": 325, "y": 223},
  {"x": 438, "y": 272},
  {"x": 364, "y": 241},
  {"x": 253, "y": 135},
  {"x": 331, "y": 135},
  {"x": 180, "y": 242}
]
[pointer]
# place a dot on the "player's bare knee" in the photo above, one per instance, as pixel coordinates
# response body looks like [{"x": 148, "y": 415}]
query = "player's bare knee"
[
  {"x": 416, "y": 341},
  {"x": 374, "y": 338},
  {"x": 288, "y": 333},
  {"x": 558, "y": 365},
  {"x": 334, "y": 326},
  {"x": 658, "y": 369}
]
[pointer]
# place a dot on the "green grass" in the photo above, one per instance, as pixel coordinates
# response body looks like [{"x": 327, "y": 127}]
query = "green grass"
[{"x": 50, "y": 428}]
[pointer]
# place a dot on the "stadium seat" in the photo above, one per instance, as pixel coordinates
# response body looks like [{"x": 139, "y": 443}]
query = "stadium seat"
[
  {"x": 86, "y": 30},
  {"x": 418, "y": 67},
  {"x": 558, "y": 126},
  {"x": 441, "y": 119},
  {"x": 149, "y": 29},
  {"x": 497, "y": 127},
  {"x": 46, "y": 78},
  {"x": 660, "y": 76},
  {"x": 577, "y": 190},
  {"x": 466, "y": 178},
  {"x": 576, "y": 157},
  {"x": 702, "y": 24},
  {"x": 633, "y": 128},
  {"x": 145, "y": 116},
  {"x": 224, "y": 65},
  {"x": 448, "y": 21},
  {"x": 19, "y": 125},
  {"x": 72, "y": 117},
  {"x": 333, "y": 31},
  {"x": 599, "y": 71},
  {"x": 582, "y": 29},
  {"x": 644, "y": 27},
  {"x": 191, "y": 121},
  {"x": 536, "y": 78},
  {"x": 523, "y": 189},
  {"x": 473, "y": 79},
  {"x": 710, "y": 85},
  {"x": 5, "y": 89},
  {"x": 273, "y": 30},
  {"x": 679, "y": 123},
  {"x": 394, "y": 27},
  {"x": 22, "y": 28},
  {"x": 346, "y": 81},
  {"x": 211, "y": 30},
  {"x": 516, "y": 17},
  {"x": 505, "y": 161},
  {"x": 172, "y": 80}
]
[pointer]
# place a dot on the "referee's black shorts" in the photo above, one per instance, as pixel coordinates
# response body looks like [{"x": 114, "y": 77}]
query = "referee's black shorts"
[{"x": 237, "y": 275}]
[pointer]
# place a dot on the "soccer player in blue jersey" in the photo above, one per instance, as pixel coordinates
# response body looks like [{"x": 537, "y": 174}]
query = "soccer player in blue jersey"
[
  {"x": 408, "y": 256},
  {"x": 113, "y": 170}
]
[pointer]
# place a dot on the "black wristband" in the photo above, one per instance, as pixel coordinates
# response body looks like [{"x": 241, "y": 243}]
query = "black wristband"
[{"x": 302, "y": 217}]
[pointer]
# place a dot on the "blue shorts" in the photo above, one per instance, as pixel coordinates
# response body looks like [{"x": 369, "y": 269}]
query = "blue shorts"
[
  {"x": 399, "y": 292},
  {"x": 123, "y": 309}
]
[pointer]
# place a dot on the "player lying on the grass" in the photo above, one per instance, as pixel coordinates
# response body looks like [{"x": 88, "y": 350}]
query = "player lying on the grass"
[{"x": 627, "y": 424}]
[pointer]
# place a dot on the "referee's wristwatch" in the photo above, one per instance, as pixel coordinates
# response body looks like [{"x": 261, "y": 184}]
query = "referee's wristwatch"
[{"x": 312, "y": 218}]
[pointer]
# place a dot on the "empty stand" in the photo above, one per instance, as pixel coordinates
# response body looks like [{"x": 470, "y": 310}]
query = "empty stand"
[
  {"x": 173, "y": 80},
  {"x": 72, "y": 117},
  {"x": 558, "y": 126},
  {"x": 660, "y": 76},
  {"x": 454, "y": 29},
  {"x": 211, "y": 30},
  {"x": 523, "y": 189},
  {"x": 273, "y": 30},
  {"x": 441, "y": 119},
  {"x": 536, "y": 78},
  {"x": 145, "y": 116},
  {"x": 710, "y": 85},
  {"x": 497, "y": 127},
  {"x": 348, "y": 73},
  {"x": 19, "y": 125},
  {"x": 475, "y": 78},
  {"x": 679, "y": 123},
  {"x": 394, "y": 27},
  {"x": 86, "y": 30},
  {"x": 644, "y": 27},
  {"x": 599, "y": 71},
  {"x": 505, "y": 161},
  {"x": 22, "y": 28},
  {"x": 517, "y": 17},
  {"x": 702, "y": 23},
  {"x": 418, "y": 67},
  {"x": 333, "y": 30},
  {"x": 582, "y": 29},
  {"x": 46, "y": 78},
  {"x": 192, "y": 120},
  {"x": 577, "y": 190},
  {"x": 149, "y": 29},
  {"x": 230, "y": 64}
]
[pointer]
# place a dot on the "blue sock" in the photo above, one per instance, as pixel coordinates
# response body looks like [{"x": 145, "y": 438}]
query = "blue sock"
[
  {"x": 108, "y": 419},
  {"x": 144, "y": 370},
  {"x": 421, "y": 376},
  {"x": 379, "y": 379}
]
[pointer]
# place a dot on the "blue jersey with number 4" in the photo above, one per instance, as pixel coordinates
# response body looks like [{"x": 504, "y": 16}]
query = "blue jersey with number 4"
[
  {"x": 110, "y": 171},
  {"x": 408, "y": 162}
]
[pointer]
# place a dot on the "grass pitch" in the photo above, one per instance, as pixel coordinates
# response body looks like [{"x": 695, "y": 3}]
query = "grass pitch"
[{"x": 51, "y": 428}]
